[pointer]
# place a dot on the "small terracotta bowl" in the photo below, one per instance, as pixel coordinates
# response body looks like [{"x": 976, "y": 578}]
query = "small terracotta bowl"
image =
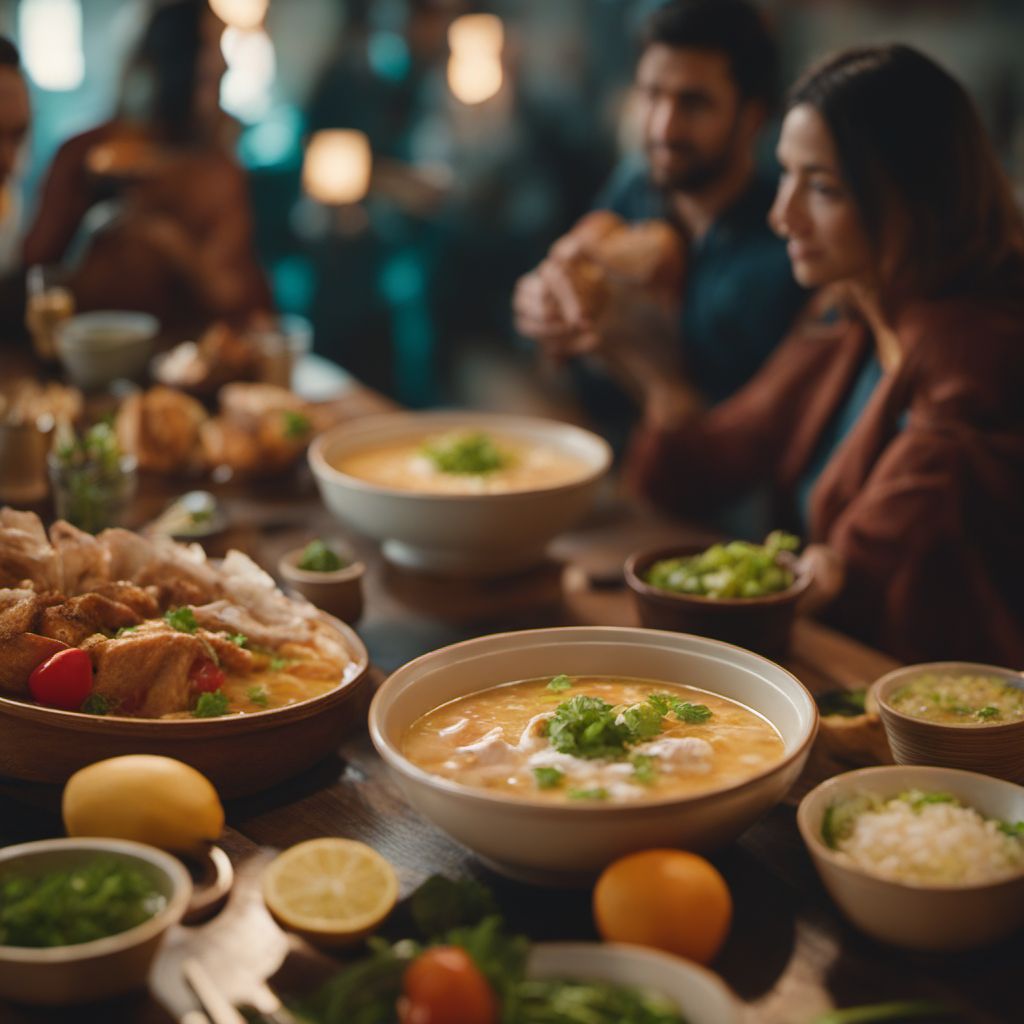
[
  {"x": 991, "y": 749},
  {"x": 90, "y": 971},
  {"x": 339, "y": 593},
  {"x": 761, "y": 624},
  {"x": 936, "y": 918}
]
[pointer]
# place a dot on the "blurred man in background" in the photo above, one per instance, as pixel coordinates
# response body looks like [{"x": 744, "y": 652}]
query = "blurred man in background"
[
  {"x": 15, "y": 117},
  {"x": 705, "y": 85}
]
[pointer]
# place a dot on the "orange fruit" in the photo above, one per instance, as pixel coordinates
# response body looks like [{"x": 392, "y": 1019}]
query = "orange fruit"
[{"x": 668, "y": 899}]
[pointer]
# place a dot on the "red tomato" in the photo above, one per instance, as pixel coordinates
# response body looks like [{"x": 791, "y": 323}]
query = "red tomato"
[
  {"x": 62, "y": 681},
  {"x": 205, "y": 676},
  {"x": 444, "y": 986}
]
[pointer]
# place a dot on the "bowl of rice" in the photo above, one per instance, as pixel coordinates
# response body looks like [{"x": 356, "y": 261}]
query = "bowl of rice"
[{"x": 920, "y": 857}]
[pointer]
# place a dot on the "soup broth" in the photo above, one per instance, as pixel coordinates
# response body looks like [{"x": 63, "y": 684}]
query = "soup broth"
[
  {"x": 960, "y": 699},
  {"x": 407, "y": 466},
  {"x": 593, "y": 738}
]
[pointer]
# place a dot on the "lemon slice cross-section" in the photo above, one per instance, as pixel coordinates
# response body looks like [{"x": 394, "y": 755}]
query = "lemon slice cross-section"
[{"x": 331, "y": 891}]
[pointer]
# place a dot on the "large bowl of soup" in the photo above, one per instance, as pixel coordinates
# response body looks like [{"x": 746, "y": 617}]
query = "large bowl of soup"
[
  {"x": 955, "y": 714},
  {"x": 458, "y": 492},
  {"x": 552, "y": 752}
]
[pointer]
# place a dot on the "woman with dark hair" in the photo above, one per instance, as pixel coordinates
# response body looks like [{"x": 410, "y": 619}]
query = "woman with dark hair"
[
  {"x": 180, "y": 243},
  {"x": 891, "y": 430}
]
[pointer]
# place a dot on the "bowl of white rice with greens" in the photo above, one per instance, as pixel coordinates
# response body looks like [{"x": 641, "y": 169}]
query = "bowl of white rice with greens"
[{"x": 920, "y": 857}]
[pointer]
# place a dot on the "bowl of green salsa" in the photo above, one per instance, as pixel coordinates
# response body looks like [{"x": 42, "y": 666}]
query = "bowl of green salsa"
[
  {"x": 743, "y": 593},
  {"x": 955, "y": 714},
  {"x": 81, "y": 919}
]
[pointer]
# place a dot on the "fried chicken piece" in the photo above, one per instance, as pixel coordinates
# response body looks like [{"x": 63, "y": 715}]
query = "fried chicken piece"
[
  {"x": 80, "y": 617},
  {"x": 145, "y": 674},
  {"x": 20, "y": 653},
  {"x": 160, "y": 427},
  {"x": 229, "y": 655},
  {"x": 19, "y": 609},
  {"x": 144, "y": 601},
  {"x": 84, "y": 561},
  {"x": 25, "y": 552}
]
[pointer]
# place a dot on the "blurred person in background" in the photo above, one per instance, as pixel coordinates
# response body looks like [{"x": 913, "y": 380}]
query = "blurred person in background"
[
  {"x": 179, "y": 242},
  {"x": 705, "y": 85},
  {"x": 15, "y": 120},
  {"x": 891, "y": 430}
]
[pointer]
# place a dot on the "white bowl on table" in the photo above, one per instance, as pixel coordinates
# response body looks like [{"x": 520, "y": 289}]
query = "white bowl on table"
[
  {"x": 90, "y": 971},
  {"x": 461, "y": 534},
  {"x": 557, "y": 843},
  {"x": 699, "y": 994},
  {"x": 934, "y": 918},
  {"x": 99, "y": 347}
]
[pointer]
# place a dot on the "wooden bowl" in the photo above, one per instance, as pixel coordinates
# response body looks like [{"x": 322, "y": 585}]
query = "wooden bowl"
[
  {"x": 996, "y": 750},
  {"x": 339, "y": 593},
  {"x": 239, "y": 754},
  {"x": 761, "y": 624}
]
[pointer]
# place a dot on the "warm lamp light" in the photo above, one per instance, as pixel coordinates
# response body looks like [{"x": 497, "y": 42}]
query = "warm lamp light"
[
  {"x": 474, "y": 79},
  {"x": 243, "y": 14},
  {"x": 337, "y": 166},
  {"x": 476, "y": 33}
]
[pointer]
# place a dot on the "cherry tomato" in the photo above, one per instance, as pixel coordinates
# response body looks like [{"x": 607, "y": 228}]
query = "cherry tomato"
[
  {"x": 205, "y": 676},
  {"x": 444, "y": 986},
  {"x": 62, "y": 681}
]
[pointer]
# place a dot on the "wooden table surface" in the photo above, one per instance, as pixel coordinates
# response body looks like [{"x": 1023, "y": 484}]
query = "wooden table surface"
[{"x": 789, "y": 955}]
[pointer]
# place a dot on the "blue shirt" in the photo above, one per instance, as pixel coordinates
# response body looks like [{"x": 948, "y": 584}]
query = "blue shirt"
[
  {"x": 739, "y": 297},
  {"x": 842, "y": 422}
]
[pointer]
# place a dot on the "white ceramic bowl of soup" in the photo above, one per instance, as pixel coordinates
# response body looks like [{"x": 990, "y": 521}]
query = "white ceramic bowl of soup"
[
  {"x": 372, "y": 476},
  {"x": 529, "y": 835}
]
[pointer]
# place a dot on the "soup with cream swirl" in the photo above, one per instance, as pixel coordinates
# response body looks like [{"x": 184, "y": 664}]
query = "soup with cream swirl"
[{"x": 593, "y": 738}]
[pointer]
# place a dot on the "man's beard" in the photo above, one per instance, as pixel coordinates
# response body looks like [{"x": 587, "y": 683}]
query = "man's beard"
[{"x": 697, "y": 175}]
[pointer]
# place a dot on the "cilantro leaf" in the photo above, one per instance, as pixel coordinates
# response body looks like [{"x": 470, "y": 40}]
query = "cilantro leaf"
[
  {"x": 238, "y": 639},
  {"x": 257, "y": 695},
  {"x": 1012, "y": 828},
  {"x": 211, "y": 705},
  {"x": 466, "y": 454},
  {"x": 597, "y": 793},
  {"x": 643, "y": 721},
  {"x": 548, "y": 777},
  {"x": 96, "y": 704},
  {"x": 693, "y": 714},
  {"x": 295, "y": 424},
  {"x": 124, "y": 629},
  {"x": 988, "y": 712},
  {"x": 182, "y": 619},
  {"x": 586, "y": 727},
  {"x": 276, "y": 664},
  {"x": 317, "y": 556},
  {"x": 645, "y": 768},
  {"x": 560, "y": 684},
  {"x": 440, "y": 904}
]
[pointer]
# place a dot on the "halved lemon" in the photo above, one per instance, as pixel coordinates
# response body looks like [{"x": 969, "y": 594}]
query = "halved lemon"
[{"x": 331, "y": 891}]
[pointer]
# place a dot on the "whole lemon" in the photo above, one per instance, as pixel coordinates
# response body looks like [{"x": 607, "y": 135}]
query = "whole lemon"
[
  {"x": 668, "y": 899},
  {"x": 150, "y": 799}
]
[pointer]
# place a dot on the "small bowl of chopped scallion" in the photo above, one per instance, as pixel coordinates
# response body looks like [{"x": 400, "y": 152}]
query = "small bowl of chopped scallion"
[
  {"x": 81, "y": 919},
  {"x": 743, "y": 593}
]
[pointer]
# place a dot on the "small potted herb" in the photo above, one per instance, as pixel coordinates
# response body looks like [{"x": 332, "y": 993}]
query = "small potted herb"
[
  {"x": 93, "y": 480},
  {"x": 327, "y": 575}
]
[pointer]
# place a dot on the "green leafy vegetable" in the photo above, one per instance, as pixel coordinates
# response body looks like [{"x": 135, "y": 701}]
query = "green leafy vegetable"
[
  {"x": 597, "y": 793},
  {"x": 318, "y": 557},
  {"x": 257, "y": 695},
  {"x": 1012, "y": 828},
  {"x": 466, "y": 454},
  {"x": 276, "y": 664},
  {"x": 645, "y": 768},
  {"x": 439, "y": 905},
  {"x": 100, "y": 897},
  {"x": 560, "y": 684},
  {"x": 918, "y": 799},
  {"x": 548, "y": 777},
  {"x": 586, "y": 727},
  {"x": 182, "y": 619},
  {"x": 988, "y": 712},
  {"x": 692, "y": 713},
  {"x": 211, "y": 705},
  {"x": 123, "y": 630},
  {"x": 734, "y": 570},
  {"x": 91, "y": 482},
  {"x": 295, "y": 424},
  {"x": 96, "y": 704},
  {"x": 916, "y": 1009},
  {"x": 846, "y": 703},
  {"x": 561, "y": 1002},
  {"x": 238, "y": 639}
]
